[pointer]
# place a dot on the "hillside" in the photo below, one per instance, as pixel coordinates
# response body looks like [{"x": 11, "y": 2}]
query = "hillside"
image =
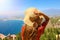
[{"x": 52, "y": 12}]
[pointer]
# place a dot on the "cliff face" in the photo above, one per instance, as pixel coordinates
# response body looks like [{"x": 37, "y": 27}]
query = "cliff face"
[
  {"x": 54, "y": 22},
  {"x": 49, "y": 25}
]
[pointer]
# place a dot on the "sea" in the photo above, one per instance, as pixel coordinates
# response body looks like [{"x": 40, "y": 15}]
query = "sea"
[{"x": 10, "y": 26}]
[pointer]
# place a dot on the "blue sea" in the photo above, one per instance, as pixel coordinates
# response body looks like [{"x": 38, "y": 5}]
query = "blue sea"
[{"x": 10, "y": 26}]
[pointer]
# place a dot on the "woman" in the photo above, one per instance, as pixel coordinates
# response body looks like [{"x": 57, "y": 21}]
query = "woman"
[{"x": 35, "y": 23}]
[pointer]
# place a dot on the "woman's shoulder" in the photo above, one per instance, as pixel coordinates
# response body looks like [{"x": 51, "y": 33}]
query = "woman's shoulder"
[{"x": 23, "y": 27}]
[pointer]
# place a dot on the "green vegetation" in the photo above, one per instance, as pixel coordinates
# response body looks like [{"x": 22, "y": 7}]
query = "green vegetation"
[
  {"x": 50, "y": 34},
  {"x": 18, "y": 36},
  {"x": 54, "y": 20}
]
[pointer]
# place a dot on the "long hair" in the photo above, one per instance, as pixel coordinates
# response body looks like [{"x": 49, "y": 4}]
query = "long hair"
[
  {"x": 30, "y": 33},
  {"x": 30, "y": 30}
]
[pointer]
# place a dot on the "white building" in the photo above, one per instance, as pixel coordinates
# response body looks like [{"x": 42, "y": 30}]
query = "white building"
[
  {"x": 58, "y": 37},
  {"x": 11, "y": 37},
  {"x": 2, "y": 36}
]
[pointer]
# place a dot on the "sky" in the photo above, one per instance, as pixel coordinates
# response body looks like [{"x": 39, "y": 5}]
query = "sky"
[{"x": 9, "y": 8}]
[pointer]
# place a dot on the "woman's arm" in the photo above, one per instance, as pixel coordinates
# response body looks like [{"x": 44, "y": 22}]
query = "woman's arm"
[
  {"x": 46, "y": 19},
  {"x": 22, "y": 32},
  {"x": 43, "y": 25},
  {"x": 45, "y": 16}
]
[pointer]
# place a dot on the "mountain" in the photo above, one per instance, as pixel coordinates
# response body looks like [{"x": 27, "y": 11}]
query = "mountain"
[{"x": 52, "y": 12}]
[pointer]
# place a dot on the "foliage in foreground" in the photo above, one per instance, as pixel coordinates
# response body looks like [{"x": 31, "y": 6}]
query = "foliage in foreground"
[{"x": 49, "y": 34}]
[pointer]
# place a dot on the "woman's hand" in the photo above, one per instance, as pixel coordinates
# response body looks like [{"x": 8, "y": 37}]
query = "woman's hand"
[
  {"x": 45, "y": 16},
  {"x": 35, "y": 25}
]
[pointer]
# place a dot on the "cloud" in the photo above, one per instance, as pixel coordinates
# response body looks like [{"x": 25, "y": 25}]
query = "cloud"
[
  {"x": 5, "y": 4},
  {"x": 9, "y": 8},
  {"x": 11, "y": 13}
]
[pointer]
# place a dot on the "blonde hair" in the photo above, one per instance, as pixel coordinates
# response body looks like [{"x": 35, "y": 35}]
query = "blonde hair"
[{"x": 30, "y": 13}]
